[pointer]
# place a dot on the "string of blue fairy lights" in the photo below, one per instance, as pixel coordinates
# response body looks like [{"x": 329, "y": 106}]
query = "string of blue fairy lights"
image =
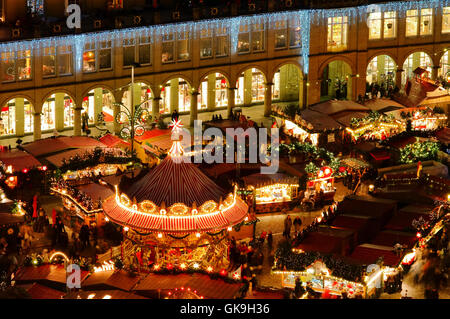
[{"x": 302, "y": 18}]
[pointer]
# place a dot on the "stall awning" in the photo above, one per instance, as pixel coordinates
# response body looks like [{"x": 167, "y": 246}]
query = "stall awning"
[
  {"x": 18, "y": 160},
  {"x": 260, "y": 180}
]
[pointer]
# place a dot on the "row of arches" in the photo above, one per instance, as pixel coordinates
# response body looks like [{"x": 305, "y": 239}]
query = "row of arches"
[
  {"x": 381, "y": 69},
  {"x": 98, "y": 104}
]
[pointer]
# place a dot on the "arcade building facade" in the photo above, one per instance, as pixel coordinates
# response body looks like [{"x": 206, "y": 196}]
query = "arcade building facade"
[{"x": 298, "y": 57}]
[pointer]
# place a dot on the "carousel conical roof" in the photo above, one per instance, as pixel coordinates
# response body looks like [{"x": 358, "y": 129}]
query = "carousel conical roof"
[
  {"x": 175, "y": 198},
  {"x": 171, "y": 182}
]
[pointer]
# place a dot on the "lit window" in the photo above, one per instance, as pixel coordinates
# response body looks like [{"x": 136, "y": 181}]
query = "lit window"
[
  {"x": 375, "y": 25},
  {"x": 446, "y": 20},
  {"x": 390, "y": 25},
  {"x": 382, "y": 25},
  {"x": 8, "y": 67},
  {"x": 221, "y": 42},
  {"x": 425, "y": 16},
  {"x": 257, "y": 37},
  {"x": 243, "y": 39},
  {"x": 337, "y": 33},
  {"x": 280, "y": 34},
  {"x": 49, "y": 62},
  {"x": 69, "y": 112},
  {"x": 48, "y": 114},
  {"x": 28, "y": 117},
  {"x": 426, "y": 21},
  {"x": 183, "y": 46},
  {"x": 206, "y": 43},
  {"x": 89, "y": 58},
  {"x": 24, "y": 65},
  {"x": 168, "y": 47}
]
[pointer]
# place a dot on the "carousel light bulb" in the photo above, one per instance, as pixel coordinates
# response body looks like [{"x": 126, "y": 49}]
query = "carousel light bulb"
[
  {"x": 156, "y": 267},
  {"x": 183, "y": 266},
  {"x": 230, "y": 228},
  {"x": 246, "y": 218},
  {"x": 196, "y": 265},
  {"x": 197, "y": 235},
  {"x": 126, "y": 228},
  {"x": 106, "y": 219},
  {"x": 91, "y": 296},
  {"x": 159, "y": 235},
  {"x": 209, "y": 269}
]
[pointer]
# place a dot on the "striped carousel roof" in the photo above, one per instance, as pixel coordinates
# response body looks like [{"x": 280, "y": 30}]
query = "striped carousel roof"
[{"x": 173, "y": 182}]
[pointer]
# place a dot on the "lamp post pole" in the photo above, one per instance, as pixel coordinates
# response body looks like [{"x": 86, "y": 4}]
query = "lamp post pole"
[{"x": 132, "y": 110}]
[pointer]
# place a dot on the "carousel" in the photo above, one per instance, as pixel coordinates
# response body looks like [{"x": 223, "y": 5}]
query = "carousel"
[{"x": 175, "y": 217}]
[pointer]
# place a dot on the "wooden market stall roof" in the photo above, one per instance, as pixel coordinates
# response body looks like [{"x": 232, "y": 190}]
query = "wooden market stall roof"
[
  {"x": 383, "y": 105},
  {"x": 111, "y": 140},
  {"x": 38, "y": 291},
  {"x": 422, "y": 92},
  {"x": 96, "y": 191},
  {"x": 53, "y": 145},
  {"x": 53, "y": 276},
  {"x": 10, "y": 219},
  {"x": 367, "y": 254},
  {"x": 260, "y": 180},
  {"x": 391, "y": 237},
  {"x": 110, "y": 279},
  {"x": 203, "y": 284},
  {"x": 333, "y": 107},
  {"x": 378, "y": 208},
  {"x": 317, "y": 121},
  {"x": 18, "y": 159},
  {"x": 103, "y": 294}
]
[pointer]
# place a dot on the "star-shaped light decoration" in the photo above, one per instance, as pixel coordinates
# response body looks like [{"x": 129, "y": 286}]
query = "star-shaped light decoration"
[{"x": 176, "y": 125}]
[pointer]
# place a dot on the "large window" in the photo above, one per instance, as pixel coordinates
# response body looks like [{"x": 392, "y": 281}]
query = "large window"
[
  {"x": 382, "y": 25},
  {"x": 337, "y": 33},
  {"x": 446, "y": 20},
  {"x": 64, "y": 60},
  {"x": 419, "y": 22},
  {"x": 280, "y": 34},
  {"x": 28, "y": 117},
  {"x": 48, "y": 114},
  {"x": 57, "y": 62},
  {"x": 295, "y": 34},
  {"x": 49, "y": 62},
  {"x": 97, "y": 56},
  {"x": 137, "y": 50},
  {"x": 69, "y": 113},
  {"x": 221, "y": 40},
  {"x": 16, "y": 66},
  {"x": 183, "y": 46},
  {"x": 129, "y": 52},
  {"x": 206, "y": 43},
  {"x": 168, "y": 48},
  {"x": 250, "y": 34}
]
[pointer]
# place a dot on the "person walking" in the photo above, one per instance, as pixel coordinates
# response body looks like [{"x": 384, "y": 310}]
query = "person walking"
[
  {"x": 287, "y": 227},
  {"x": 84, "y": 236},
  {"x": 297, "y": 225}
]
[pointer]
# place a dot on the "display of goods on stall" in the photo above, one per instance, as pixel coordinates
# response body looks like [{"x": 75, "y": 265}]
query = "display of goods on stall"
[
  {"x": 375, "y": 126},
  {"x": 425, "y": 119},
  {"x": 93, "y": 158}
]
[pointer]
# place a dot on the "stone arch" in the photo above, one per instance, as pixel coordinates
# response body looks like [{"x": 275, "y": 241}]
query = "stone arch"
[
  {"x": 180, "y": 99},
  {"x": 336, "y": 79},
  {"x": 383, "y": 52},
  {"x": 381, "y": 69},
  {"x": 60, "y": 113},
  {"x": 287, "y": 80},
  {"x": 18, "y": 120},
  {"x": 213, "y": 90},
  {"x": 294, "y": 62},
  {"x": 342, "y": 58},
  {"x": 414, "y": 60},
  {"x": 22, "y": 95},
  {"x": 172, "y": 76},
  {"x": 412, "y": 51},
  {"x": 226, "y": 75},
  {"x": 95, "y": 107},
  {"x": 245, "y": 81}
]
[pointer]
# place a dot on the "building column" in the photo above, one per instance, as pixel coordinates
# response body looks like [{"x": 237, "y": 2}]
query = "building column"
[
  {"x": 137, "y": 91},
  {"x": 36, "y": 126},
  {"x": 398, "y": 78},
  {"x": 434, "y": 72},
  {"x": 248, "y": 76},
  {"x": 77, "y": 121},
  {"x": 20, "y": 116},
  {"x": 231, "y": 101},
  {"x": 174, "y": 83},
  {"x": 211, "y": 92},
  {"x": 268, "y": 99},
  {"x": 98, "y": 103},
  {"x": 301, "y": 89},
  {"x": 194, "y": 107},
  {"x": 155, "y": 107},
  {"x": 59, "y": 111}
]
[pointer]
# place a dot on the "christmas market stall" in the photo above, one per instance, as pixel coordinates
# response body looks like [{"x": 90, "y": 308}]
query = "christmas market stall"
[
  {"x": 271, "y": 192},
  {"x": 320, "y": 186},
  {"x": 175, "y": 217},
  {"x": 374, "y": 127}
]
